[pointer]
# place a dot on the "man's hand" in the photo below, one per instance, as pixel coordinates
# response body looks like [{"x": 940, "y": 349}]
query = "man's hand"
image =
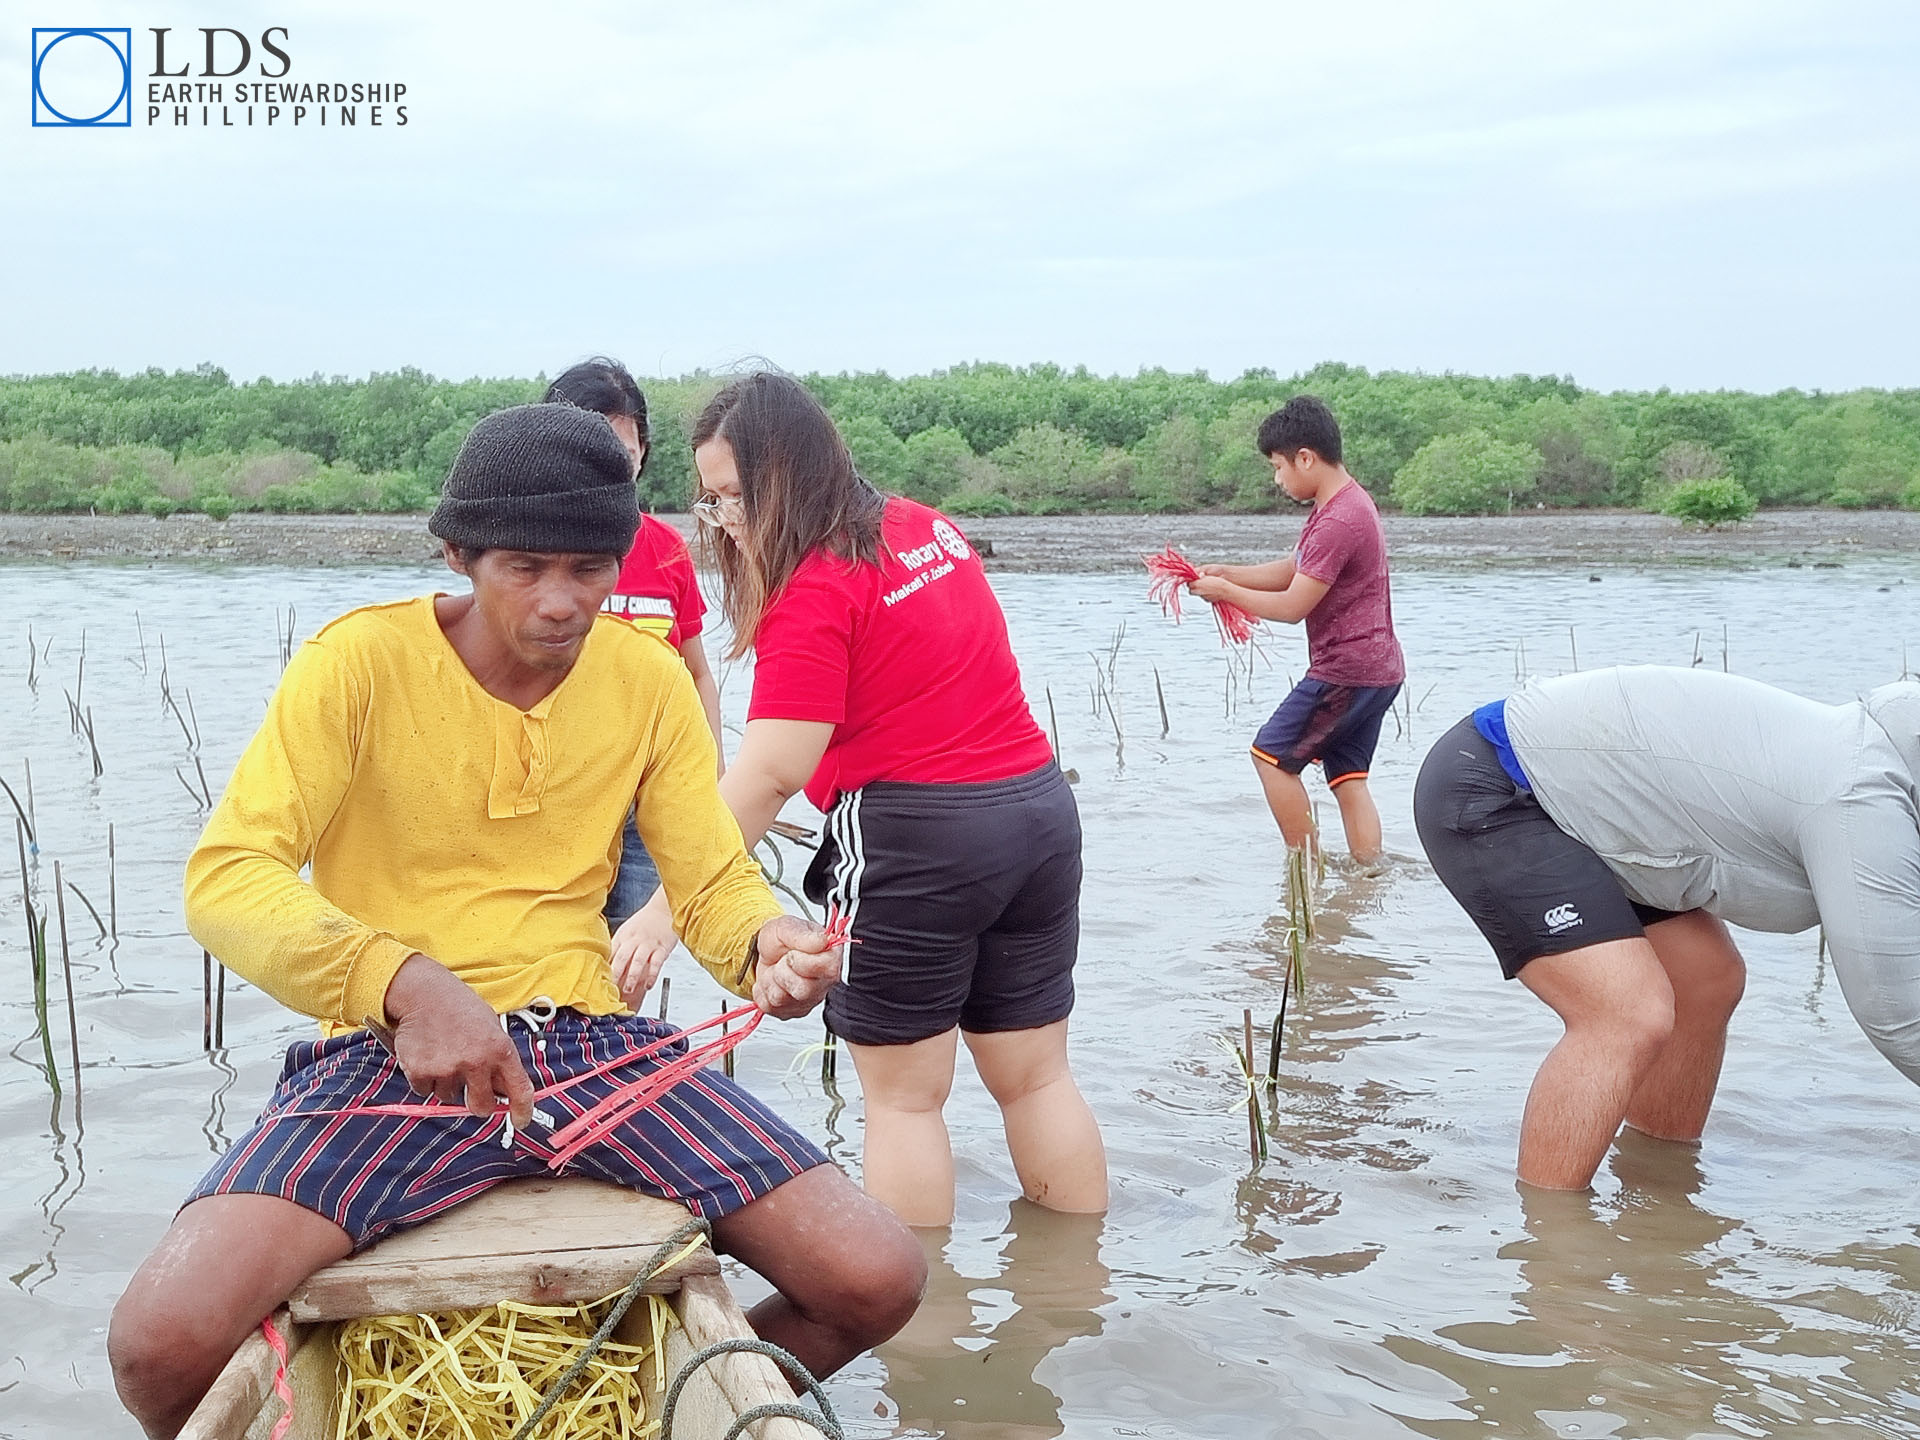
[
  {"x": 796, "y": 967},
  {"x": 1211, "y": 587},
  {"x": 450, "y": 1044},
  {"x": 641, "y": 946}
]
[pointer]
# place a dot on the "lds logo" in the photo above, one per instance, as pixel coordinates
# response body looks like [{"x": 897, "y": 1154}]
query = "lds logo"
[
  {"x": 83, "y": 78},
  {"x": 1561, "y": 917}
]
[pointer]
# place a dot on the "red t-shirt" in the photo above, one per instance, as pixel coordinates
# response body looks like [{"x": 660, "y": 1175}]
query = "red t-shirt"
[
  {"x": 1350, "y": 639},
  {"x": 657, "y": 589},
  {"x": 908, "y": 660}
]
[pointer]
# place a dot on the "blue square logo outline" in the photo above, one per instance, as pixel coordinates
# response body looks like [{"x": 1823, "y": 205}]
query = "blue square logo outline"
[{"x": 122, "y": 48}]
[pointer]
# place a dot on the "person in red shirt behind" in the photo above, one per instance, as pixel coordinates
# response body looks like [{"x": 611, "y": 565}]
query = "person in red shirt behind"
[
  {"x": 657, "y": 592},
  {"x": 886, "y": 688}
]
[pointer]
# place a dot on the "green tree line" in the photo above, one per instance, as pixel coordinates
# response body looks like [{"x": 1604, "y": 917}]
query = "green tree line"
[{"x": 979, "y": 439}]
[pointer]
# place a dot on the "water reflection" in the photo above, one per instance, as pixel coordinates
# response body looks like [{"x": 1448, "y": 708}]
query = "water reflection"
[
  {"x": 965, "y": 1367},
  {"x": 1637, "y": 1317}
]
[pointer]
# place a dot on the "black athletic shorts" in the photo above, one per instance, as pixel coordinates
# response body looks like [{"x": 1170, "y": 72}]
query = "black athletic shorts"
[
  {"x": 965, "y": 901},
  {"x": 1531, "y": 888},
  {"x": 1338, "y": 725}
]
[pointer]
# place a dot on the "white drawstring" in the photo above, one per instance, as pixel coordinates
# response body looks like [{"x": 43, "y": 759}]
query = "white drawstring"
[{"x": 534, "y": 1015}]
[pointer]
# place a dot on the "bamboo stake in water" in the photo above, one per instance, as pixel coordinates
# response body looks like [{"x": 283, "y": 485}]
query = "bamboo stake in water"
[
  {"x": 66, "y": 974},
  {"x": 1256, "y": 1133},
  {"x": 206, "y": 1001},
  {"x": 1161, "y": 695},
  {"x": 829, "y": 1054},
  {"x": 219, "y": 1006},
  {"x": 666, "y": 987},
  {"x": 113, "y": 889}
]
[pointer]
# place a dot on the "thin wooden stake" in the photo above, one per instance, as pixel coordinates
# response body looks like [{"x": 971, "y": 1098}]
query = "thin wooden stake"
[
  {"x": 726, "y": 1060},
  {"x": 1279, "y": 1030},
  {"x": 1161, "y": 695},
  {"x": 219, "y": 1006},
  {"x": 206, "y": 1001},
  {"x": 66, "y": 974},
  {"x": 113, "y": 888},
  {"x": 829, "y": 1054},
  {"x": 1058, "y": 758},
  {"x": 666, "y": 988},
  {"x": 1256, "y": 1134}
]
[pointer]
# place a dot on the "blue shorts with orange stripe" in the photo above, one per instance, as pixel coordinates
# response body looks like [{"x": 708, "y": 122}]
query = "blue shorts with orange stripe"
[
  {"x": 707, "y": 1143},
  {"x": 1337, "y": 725}
]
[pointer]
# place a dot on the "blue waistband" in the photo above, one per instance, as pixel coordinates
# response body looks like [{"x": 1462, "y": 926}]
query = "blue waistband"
[{"x": 1491, "y": 721}]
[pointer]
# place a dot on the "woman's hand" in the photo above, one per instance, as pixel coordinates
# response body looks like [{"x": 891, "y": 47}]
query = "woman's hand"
[
  {"x": 641, "y": 946},
  {"x": 1211, "y": 587}
]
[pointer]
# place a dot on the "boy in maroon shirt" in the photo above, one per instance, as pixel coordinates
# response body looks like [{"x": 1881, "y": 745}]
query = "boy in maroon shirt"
[{"x": 1336, "y": 581}]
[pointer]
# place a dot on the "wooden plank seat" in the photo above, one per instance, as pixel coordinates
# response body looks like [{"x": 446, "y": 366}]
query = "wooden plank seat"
[
  {"x": 543, "y": 1241},
  {"x": 549, "y": 1242}
]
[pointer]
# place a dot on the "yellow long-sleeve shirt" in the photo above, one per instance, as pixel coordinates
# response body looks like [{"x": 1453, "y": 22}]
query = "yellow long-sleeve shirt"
[{"x": 441, "y": 820}]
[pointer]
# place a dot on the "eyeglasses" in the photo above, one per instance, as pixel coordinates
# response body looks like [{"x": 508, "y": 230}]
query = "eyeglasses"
[{"x": 719, "y": 509}]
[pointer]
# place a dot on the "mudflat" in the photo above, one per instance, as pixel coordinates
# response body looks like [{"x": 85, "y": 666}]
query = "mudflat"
[{"x": 1056, "y": 544}]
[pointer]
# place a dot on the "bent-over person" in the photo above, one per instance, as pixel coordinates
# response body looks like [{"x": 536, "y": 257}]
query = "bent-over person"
[
  {"x": 457, "y": 770},
  {"x": 1602, "y": 829}
]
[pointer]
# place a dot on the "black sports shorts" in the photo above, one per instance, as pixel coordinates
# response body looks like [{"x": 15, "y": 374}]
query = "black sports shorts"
[
  {"x": 1531, "y": 888},
  {"x": 1338, "y": 725},
  {"x": 965, "y": 901}
]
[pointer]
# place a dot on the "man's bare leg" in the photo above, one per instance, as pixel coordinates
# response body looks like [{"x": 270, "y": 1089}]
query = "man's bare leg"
[
  {"x": 1708, "y": 977},
  {"x": 1359, "y": 818},
  {"x": 224, "y": 1264},
  {"x": 1287, "y": 798},
  {"x": 848, "y": 1273},
  {"x": 1617, "y": 1004}
]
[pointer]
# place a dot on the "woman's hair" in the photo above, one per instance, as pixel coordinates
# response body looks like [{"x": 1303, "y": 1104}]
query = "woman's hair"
[
  {"x": 604, "y": 386},
  {"x": 798, "y": 489}
]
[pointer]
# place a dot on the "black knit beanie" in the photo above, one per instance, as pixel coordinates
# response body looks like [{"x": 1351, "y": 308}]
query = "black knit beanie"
[{"x": 551, "y": 479}]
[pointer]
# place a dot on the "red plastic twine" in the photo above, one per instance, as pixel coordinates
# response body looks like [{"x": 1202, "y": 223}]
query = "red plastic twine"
[
  {"x": 1172, "y": 572},
  {"x": 594, "y": 1123},
  {"x": 278, "y": 1344}
]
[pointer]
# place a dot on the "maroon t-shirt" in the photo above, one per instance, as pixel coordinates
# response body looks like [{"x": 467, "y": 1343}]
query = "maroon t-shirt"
[
  {"x": 908, "y": 660},
  {"x": 1350, "y": 639}
]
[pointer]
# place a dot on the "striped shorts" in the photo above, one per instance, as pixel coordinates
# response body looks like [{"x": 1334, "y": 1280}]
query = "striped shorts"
[{"x": 707, "y": 1143}]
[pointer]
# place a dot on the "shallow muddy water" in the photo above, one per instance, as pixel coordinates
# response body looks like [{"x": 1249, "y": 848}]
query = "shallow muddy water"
[{"x": 1378, "y": 1276}]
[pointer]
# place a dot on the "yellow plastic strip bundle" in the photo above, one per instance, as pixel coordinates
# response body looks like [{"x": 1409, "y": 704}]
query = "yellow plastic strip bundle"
[{"x": 478, "y": 1374}]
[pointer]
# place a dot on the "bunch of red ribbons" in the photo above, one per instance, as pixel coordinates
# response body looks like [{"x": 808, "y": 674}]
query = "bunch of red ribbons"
[{"x": 1172, "y": 572}]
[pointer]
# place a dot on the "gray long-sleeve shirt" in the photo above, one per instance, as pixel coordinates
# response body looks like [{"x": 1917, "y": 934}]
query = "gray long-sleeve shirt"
[{"x": 1704, "y": 791}]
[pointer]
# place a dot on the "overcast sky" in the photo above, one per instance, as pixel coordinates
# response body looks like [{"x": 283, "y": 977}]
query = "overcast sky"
[{"x": 1700, "y": 195}]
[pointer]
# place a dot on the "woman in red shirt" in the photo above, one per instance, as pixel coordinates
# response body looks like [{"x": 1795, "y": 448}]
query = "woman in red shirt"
[
  {"x": 657, "y": 592},
  {"x": 885, "y": 687}
]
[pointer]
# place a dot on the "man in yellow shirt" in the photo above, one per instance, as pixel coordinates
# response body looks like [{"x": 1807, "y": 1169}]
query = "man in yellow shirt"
[{"x": 456, "y": 770}]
